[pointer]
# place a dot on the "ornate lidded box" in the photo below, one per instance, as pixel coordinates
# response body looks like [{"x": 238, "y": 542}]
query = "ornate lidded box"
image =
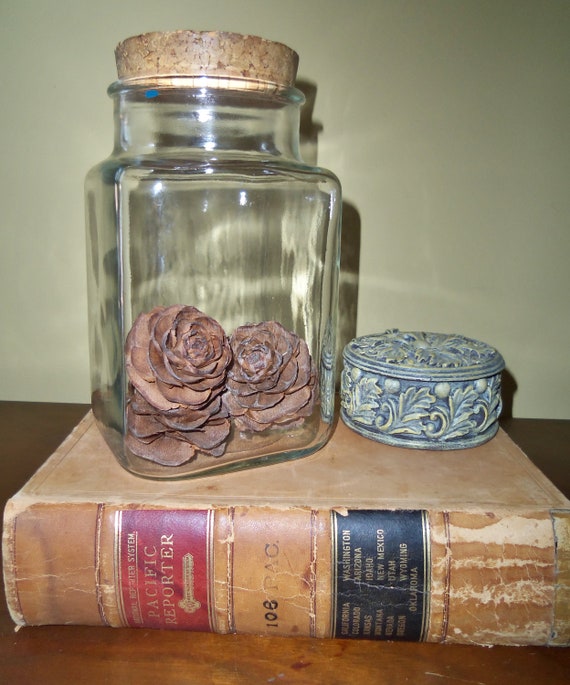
[{"x": 422, "y": 390}]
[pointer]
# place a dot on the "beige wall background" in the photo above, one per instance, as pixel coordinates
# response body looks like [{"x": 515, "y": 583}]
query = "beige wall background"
[{"x": 447, "y": 122}]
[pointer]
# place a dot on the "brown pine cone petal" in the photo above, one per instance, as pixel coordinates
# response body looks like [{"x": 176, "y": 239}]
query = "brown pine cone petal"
[
  {"x": 191, "y": 419},
  {"x": 153, "y": 396},
  {"x": 209, "y": 437},
  {"x": 143, "y": 425},
  {"x": 232, "y": 405},
  {"x": 184, "y": 395},
  {"x": 286, "y": 409},
  {"x": 139, "y": 362},
  {"x": 260, "y": 400},
  {"x": 164, "y": 450}
]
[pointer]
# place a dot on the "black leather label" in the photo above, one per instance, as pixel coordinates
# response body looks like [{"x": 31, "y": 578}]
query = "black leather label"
[{"x": 381, "y": 575}]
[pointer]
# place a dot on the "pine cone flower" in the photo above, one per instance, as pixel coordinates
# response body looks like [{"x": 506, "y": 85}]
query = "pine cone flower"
[
  {"x": 272, "y": 380},
  {"x": 176, "y": 360}
]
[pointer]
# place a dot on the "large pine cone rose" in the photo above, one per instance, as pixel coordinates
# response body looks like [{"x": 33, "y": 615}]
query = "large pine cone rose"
[
  {"x": 272, "y": 381},
  {"x": 176, "y": 360}
]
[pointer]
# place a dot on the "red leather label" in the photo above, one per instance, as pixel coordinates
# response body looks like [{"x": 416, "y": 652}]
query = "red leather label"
[{"x": 162, "y": 560}]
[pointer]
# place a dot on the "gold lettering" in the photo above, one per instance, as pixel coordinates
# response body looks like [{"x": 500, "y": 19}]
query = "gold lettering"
[
  {"x": 403, "y": 562},
  {"x": 356, "y": 621},
  {"x": 358, "y": 564},
  {"x": 369, "y": 569},
  {"x": 345, "y": 618},
  {"x": 380, "y": 545},
  {"x": 188, "y": 603},
  {"x": 401, "y": 627},
  {"x": 414, "y": 590},
  {"x": 379, "y": 619}
]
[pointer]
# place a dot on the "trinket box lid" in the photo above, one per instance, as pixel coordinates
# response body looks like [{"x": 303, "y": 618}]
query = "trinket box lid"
[
  {"x": 424, "y": 356},
  {"x": 422, "y": 390}
]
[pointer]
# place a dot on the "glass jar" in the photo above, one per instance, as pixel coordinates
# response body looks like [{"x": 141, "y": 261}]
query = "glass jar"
[{"x": 213, "y": 259}]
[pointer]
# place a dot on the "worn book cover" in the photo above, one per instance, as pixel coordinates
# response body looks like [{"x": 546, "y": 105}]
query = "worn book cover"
[{"x": 359, "y": 540}]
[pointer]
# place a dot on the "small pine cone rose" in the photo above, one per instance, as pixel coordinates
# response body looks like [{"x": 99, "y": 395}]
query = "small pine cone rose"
[
  {"x": 176, "y": 360},
  {"x": 272, "y": 380}
]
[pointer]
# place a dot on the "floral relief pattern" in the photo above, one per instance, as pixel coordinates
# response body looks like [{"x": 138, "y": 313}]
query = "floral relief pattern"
[
  {"x": 188, "y": 383},
  {"x": 410, "y": 412},
  {"x": 411, "y": 409},
  {"x": 425, "y": 350}
]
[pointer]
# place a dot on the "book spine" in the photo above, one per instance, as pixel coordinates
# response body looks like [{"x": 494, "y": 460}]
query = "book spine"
[{"x": 437, "y": 576}]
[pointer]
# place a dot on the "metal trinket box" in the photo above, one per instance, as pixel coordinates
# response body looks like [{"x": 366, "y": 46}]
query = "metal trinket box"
[{"x": 422, "y": 390}]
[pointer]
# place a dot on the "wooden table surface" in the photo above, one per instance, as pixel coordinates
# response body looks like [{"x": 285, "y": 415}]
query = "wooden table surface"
[{"x": 76, "y": 655}]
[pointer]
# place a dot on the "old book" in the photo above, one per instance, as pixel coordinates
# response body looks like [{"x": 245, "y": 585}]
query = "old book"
[{"x": 359, "y": 540}]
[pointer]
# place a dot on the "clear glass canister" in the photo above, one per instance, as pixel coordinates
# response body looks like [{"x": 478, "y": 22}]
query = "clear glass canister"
[{"x": 213, "y": 258}]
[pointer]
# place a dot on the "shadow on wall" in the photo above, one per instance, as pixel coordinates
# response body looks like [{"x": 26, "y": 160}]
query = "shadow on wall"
[
  {"x": 350, "y": 249},
  {"x": 508, "y": 390},
  {"x": 350, "y": 239},
  {"x": 349, "y": 275}
]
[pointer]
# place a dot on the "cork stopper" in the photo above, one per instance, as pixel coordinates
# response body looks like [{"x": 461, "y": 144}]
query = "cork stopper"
[{"x": 199, "y": 54}]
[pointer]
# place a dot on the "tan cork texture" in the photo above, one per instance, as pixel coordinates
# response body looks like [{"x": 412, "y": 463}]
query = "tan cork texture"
[{"x": 214, "y": 54}]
